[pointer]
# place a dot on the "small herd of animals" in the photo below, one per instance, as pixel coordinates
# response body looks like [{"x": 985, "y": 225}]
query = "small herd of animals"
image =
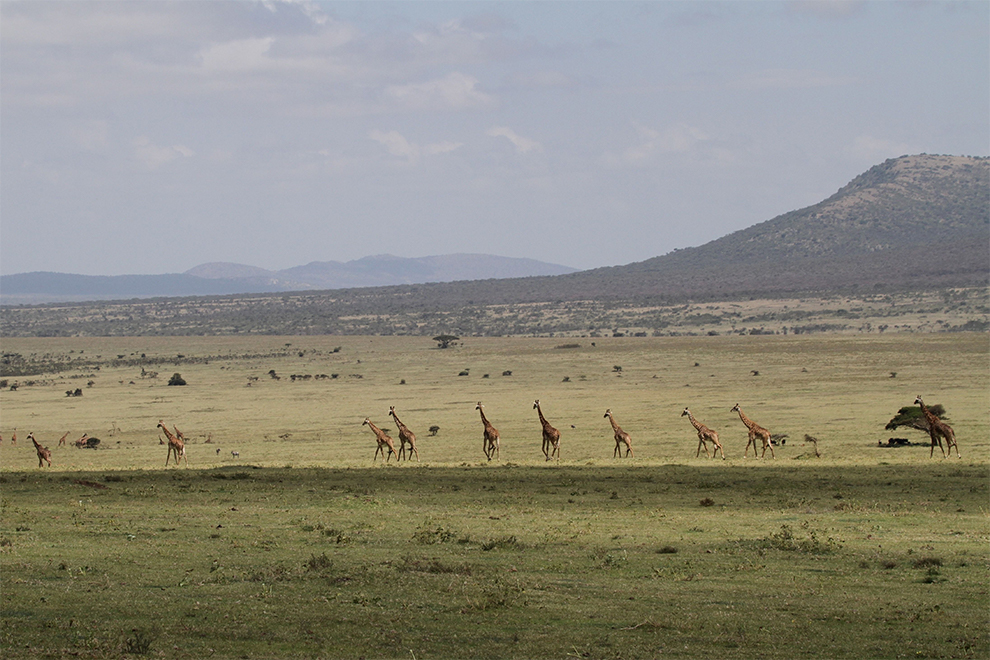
[{"x": 491, "y": 444}]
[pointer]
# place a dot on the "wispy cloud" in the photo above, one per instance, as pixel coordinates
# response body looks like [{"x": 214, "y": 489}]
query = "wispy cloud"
[
  {"x": 397, "y": 145},
  {"x": 522, "y": 144},
  {"x": 678, "y": 138},
  {"x": 154, "y": 156},
  {"x": 453, "y": 91}
]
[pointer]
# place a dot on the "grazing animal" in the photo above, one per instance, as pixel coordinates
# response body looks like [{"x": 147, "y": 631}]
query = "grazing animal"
[
  {"x": 218, "y": 451},
  {"x": 490, "y": 443},
  {"x": 405, "y": 435},
  {"x": 83, "y": 441},
  {"x": 383, "y": 441},
  {"x": 755, "y": 431},
  {"x": 938, "y": 429},
  {"x": 234, "y": 454},
  {"x": 621, "y": 437},
  {"x": 175, "y": 445},
  {"x": 551, "y": 436},
  {"x": 13, "y": 438},
  {"x": 43, "y": 453},
  {"x": 705, "y": 435}
]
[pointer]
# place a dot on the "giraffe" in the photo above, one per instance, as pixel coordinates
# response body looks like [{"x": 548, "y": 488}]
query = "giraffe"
[
  {"x": 755, "y": 431},
  {"x": 405, "y": 435},
  {"x": 179, "y": 434},
  {"x": 621, "y": 437},
  {"x": 383, "y": 442},
  {"x": 490, "y": 445},
  {"x": 175, "y": 445},
  {"x": 938, "y": 429},
  {"x": 43, "y": 453},
  {"x": 551, "y": 436},
  {"x": 705, "y": 435},
  {"x": 61, "y": 441},
  {"x": 13, "y": 438}
]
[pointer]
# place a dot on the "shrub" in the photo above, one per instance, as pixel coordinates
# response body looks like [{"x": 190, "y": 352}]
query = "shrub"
[{"x": 176, "y": 379}]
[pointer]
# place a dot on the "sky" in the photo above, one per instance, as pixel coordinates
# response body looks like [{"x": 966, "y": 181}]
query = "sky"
[{"x": 151, "y": 137}]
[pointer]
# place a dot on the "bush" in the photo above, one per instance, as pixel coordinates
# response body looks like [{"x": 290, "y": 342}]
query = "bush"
[{"x": 176, "y": 379}]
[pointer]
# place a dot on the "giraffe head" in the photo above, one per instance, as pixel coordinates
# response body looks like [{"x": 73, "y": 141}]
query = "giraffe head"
[
  {"x": 161, "y": 424},
  {"x": 367, "y": 420},
  {"x": 735, "y": 408},
  {"x": 686, "y": 412},
  {"x": 918, "y": 400},
  {"x": 391, "y": 411},
  {"x": 30, "y": 436},
  {"x": 536, "y": 404},
  {"x": 479, "y": 406},
  {"x": 608, "y": 412}
]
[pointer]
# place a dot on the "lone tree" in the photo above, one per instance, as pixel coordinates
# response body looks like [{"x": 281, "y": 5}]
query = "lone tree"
[
  {"x": 912, "y": 417},
  {"x": 445, "y": 341},
  {"x": 176, "y": 379}
]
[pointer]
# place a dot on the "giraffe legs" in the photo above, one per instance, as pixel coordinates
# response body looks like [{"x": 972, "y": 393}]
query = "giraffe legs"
[{"x": 938, "y": 439}]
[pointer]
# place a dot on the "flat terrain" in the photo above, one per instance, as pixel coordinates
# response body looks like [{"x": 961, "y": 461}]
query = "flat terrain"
[{"x": 301, "y": 546}]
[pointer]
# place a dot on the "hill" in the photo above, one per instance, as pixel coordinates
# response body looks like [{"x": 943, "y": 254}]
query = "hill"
[{"x": 915, "y": 223}]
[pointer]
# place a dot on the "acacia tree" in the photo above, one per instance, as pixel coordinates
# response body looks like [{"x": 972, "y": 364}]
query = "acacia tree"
[
  {"x": 912, "y": 417},
  {"x": 445, "y": 341}
]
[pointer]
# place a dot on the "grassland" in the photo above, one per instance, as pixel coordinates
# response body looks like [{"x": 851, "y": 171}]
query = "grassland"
[{"x": 302, "y": 547}]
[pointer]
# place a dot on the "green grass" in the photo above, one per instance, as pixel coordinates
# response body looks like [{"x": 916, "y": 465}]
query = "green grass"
[
  {"x": 301, "y": 547},
  {"x": 795, "y": 561}
]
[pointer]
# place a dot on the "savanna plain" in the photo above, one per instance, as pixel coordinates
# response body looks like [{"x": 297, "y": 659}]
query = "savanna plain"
[{"x": 280, "y": 536}]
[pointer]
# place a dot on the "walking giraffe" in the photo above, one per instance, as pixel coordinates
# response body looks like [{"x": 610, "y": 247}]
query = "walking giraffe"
[
  {"x": 755, "y": 431},
  {"x": 405, "y": 435},
  {"x": 175, "y": 445},
  {"x": 490, "y": 444},
  {"x": 383, "y": 441},
  {"x": 551, "y": 436},
  {"x": 621, "y": 437},
  {"x": 705, "y": 435},
  {"x": 938, "y": 429},
  {"x": 43, "y": 453}
]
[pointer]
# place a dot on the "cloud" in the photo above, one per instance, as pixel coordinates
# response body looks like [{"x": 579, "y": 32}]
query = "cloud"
[
  {"x": 677, "y": 138},
  {"x": 522, "y": 145},
  {"x": 397, "y": 145},
  {"x": 154, "y": 156},
  {"x": 443, "y": 147},
  {"x": 454, "y": 91}
]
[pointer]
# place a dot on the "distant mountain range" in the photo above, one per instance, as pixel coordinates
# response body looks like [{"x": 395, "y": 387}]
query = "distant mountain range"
[{"x": 220, "y": 278}]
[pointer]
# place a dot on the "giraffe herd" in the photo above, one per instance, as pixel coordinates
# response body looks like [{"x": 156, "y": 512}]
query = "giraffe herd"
[{"x": 491, "y": 443}]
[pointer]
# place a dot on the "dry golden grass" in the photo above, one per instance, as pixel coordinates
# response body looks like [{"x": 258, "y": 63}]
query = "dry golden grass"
[{"x": 838, "y": 389}]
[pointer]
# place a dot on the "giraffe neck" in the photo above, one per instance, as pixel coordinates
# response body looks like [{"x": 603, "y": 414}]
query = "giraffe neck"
[
  {"x": 398, "y": 422},
  {"x": 377, "y": 431},
  {"x": 746, "y": 420},
  {"x": 484, "y": 420},
  {"x": 543, "y": 420},
  {"x": 695, "y": 423},
  {"x": 615, "y": 427},
  {"x": 168, "y": 434}
]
